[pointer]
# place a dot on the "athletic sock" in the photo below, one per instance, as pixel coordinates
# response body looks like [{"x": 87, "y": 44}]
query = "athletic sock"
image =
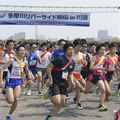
[
  {"x": 49, "y": 116},
  {"x": 8, "y": 115},
  {"x": 79, "y": 104},
  {"x": 100, "y": 106}
]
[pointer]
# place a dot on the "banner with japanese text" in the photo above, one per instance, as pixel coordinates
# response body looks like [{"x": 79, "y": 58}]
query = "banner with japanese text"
[{"x": 45, "y": 18}]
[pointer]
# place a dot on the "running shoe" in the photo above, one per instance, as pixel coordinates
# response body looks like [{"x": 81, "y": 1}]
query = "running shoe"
[
  {"x": 47, "y": 80},
  {"x": 117, "y": 92},
  {"x": 74, "y": 91},
  {"x": 29, "y": 93},
  {"x": 34, "y": 81},
  {"x": 35, "y": 78},
  {"x": 39, "y": 94},
  {"x": 8, "y": 118},
  {"x": 50, "y": 118},
  {"x": 79, "y": 106},
  {"x": 74, "y": 100},
  {"x": 116, "y": 117},
  {"x": 3, "y": 91},
  {"x": 96, "y": 86},
  {"x": 24, "y": 91},
  {"x": 97, "y": 91},
  {"x": 90, "y": 91},
  {"x": 43, "y": 85},
  {"x": 67, "y": 97},
  {"x": 102, "y": 108},
  {"x": 47, "y": 94}
]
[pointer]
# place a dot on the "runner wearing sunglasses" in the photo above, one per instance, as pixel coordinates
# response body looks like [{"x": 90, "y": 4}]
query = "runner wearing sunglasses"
[{"x": 32, "y": 57}]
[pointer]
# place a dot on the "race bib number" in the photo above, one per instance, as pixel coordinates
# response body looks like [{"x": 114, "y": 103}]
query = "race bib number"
[
  {"x": 111, "y": 67},
  {"x": 44, "y": 59},
  {"x": 16, "y": 72},
  {"x": 64, "y": 75},
  {"x": 99, "y": 66},
  {"x": 77, "y": 68},
  {"x": 33, "y": 62}
]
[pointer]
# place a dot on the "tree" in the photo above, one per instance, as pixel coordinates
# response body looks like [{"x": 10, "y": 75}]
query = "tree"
[
  {"x": 115, "y": 39},
  {"x": 109, "y": 38}
]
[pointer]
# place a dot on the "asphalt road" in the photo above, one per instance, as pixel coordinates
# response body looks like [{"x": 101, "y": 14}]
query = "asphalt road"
[{"x": 34, "y": 107}]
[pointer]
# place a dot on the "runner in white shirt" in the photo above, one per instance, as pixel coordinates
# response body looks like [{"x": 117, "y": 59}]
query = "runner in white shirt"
[
  {"x": 106, "y": 48},
  {"x": 6, "y": 55},
  {"x": 41, "y": 68},
  {"x": 51, "y": 51}
]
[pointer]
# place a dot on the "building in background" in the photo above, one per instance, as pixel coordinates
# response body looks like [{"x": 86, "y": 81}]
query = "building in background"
[
  {"x": 17, "y": 36},
  {"x": 92, "y": 39},
  {"x": 102, "y": 35}
]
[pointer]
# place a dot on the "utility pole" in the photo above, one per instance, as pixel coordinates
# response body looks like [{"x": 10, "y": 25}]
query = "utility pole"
[{"x": 36, "y": 33}]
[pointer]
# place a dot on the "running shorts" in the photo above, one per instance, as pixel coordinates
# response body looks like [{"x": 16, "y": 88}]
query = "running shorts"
[{"x": 58, "y": 88}]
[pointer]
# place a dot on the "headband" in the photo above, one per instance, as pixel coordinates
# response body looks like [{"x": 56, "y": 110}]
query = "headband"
[{"x": 111, "y": 48}]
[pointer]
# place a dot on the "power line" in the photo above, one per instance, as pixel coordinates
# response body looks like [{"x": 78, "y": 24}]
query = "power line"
[{"x": 98, "y": 9}]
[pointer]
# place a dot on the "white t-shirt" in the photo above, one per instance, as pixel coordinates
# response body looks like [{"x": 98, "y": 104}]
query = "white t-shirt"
[
  {"x": 45, "y": 59},
  {"x": 106, "y": 52},
  {"x": 37, "y": 51},
  {"x": 6, "y": 58}
]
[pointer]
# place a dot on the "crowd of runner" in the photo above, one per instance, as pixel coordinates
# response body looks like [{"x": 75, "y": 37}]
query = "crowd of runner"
[{"x": 64, "y": 67}]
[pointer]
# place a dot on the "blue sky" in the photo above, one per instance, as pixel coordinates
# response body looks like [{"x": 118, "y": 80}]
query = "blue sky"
[{"x": 99, "y": 21}]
